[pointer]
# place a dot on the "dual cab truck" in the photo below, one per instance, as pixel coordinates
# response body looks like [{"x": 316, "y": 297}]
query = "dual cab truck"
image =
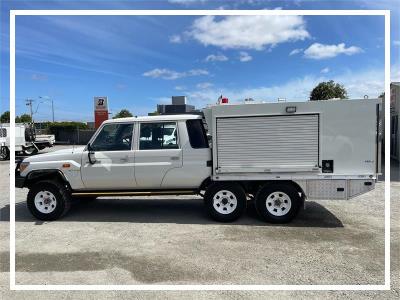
[{"x": 277, "y": 154}]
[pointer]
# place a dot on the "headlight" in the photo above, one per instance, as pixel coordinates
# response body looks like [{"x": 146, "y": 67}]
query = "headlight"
[{"x": 23, "y": 166}]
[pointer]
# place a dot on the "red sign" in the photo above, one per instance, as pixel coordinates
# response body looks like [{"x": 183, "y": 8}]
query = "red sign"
[
  {"x": 100, "y": 111},
  {"x": 99, "y": 117}
]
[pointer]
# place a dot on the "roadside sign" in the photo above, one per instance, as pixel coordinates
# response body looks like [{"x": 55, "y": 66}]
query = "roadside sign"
[
  {"x": 100, "y": 110},
  {"x": 100, "y": 103}
]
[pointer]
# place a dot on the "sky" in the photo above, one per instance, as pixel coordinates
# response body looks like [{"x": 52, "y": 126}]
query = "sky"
[{"x": 141, "y": 61}]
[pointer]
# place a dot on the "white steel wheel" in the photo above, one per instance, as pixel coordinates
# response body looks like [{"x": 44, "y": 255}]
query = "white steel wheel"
[
  {"x": 225, "y": 202},
  {"x": 278, "y": 203},
  {"x": 45, "y": 202}
]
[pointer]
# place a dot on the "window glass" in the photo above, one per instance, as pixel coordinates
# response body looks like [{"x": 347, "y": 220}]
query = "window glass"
[
  {"x": 158, "y": 136},
  {"x": 197, "y": 134},
  {"x": 114, "y": 137}
]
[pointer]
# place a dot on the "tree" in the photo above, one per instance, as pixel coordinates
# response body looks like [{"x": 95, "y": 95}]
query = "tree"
[
  {"x": 5, "y": 117},
  {"x": 25, "y": 118},
  {"x": 328, "y": 90},
  {"x": 124, "y": 113}
]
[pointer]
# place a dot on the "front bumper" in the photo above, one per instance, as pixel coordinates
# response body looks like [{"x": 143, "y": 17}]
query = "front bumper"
[{"x": 19, "y": 181}]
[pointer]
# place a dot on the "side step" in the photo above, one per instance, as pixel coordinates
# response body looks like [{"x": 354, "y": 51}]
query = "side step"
[{"x": 133, "y": 193}]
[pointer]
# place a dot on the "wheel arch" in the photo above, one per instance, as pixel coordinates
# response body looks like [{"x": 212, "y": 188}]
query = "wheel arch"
[{"x": 45, "y": 174}]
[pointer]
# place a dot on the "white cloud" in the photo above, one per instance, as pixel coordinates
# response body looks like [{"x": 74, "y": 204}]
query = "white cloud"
[
  {"x": 248, "y": 32},
  {"x": 38, "y": 77},
  {"x": 216, "y": 57},
  {"x": 295, "y": 51},
  {"x": 325, "y": 70},
  {"x": 180, "y": 88},
  {"x": 367, "y": 82},
  {"x": 244, "y": 56},
  {"x": 321, "y": 51},
  {"x": 175, "y": 39},
  {"x": 204, "y": 85},
  {"x": 172, "y": 75}
]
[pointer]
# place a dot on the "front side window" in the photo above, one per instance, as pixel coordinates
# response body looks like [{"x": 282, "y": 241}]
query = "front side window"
[
  {"x": 114, "y": 137},
  {"x": 154, "y": 136}
]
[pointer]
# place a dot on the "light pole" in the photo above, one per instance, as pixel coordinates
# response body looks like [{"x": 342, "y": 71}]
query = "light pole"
[{"x": 52, "y": 104}]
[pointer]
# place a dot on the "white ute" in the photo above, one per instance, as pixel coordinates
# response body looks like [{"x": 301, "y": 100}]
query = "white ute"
[{"x": 277, "y": 154}]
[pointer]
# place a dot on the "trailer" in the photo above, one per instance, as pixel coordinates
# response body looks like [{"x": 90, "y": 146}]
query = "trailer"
[{"x": 26, "y": 141}]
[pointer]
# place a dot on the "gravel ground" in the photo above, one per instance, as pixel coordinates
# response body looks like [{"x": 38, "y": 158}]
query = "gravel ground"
[{"x": 170, "y": 240}]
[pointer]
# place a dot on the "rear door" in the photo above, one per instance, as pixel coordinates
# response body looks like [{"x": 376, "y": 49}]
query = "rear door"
[{"x": 158, "y": 151}]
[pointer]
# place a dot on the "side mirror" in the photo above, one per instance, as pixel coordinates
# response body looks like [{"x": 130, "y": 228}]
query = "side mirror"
[{"x": 91, "y": 157}]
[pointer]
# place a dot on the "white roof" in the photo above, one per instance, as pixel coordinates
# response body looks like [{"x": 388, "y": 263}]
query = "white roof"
[{"x": 156, "y": 118}]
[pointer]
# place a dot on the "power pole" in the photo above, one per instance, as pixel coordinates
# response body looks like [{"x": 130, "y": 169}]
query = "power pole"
[{"x": 29, "y": 103}]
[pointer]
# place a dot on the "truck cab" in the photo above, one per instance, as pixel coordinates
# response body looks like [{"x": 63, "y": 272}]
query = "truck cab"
[{"x": 146, "y": 153}]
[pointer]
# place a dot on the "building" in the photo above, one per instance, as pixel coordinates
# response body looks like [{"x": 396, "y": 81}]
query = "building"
[
  {"x": 178, "y": 106},
  {"x": 394, "y": 120}
]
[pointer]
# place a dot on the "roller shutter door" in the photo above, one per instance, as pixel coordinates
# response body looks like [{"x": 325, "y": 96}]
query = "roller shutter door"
[{"x": 268, "y": 143}]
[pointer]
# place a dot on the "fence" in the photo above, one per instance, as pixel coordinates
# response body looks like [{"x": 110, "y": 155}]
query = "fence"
[{"x": 74, "y": 137}]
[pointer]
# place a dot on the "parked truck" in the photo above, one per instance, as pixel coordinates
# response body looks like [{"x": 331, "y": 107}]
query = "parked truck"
[
  {"x": 277, "y": 154},
  {"x": 27, "y": 142}
]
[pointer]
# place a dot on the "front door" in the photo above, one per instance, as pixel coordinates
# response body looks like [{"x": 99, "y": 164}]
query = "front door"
[
  {"x": 158, "y": 153},
  {"x": 113, "y": 166}
]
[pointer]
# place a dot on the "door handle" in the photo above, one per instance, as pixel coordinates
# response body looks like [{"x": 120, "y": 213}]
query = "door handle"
[
  {"x": 124, "y": 159},
  {"x": 175, "y": 157}
]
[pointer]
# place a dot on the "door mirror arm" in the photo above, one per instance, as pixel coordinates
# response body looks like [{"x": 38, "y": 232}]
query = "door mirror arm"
[{"x": 91, "y": 152}]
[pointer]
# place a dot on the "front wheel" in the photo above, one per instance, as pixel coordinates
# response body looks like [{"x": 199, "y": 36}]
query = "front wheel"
[
  {"x": 225, "y": 202},
  {"x": 278, "y": 203},
  {"x": 48, "y": 200}
]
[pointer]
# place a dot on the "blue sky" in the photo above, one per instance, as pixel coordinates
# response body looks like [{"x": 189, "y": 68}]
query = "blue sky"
[{"x": 141, "y": 61}]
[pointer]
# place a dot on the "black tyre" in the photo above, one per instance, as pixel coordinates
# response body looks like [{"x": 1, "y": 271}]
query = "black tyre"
[
  {"x": 4, "y": 153},
  {"x": 278, "y": 203},
  {"x": 225, "y": 202},
  {"x": 48, "y": 200}
]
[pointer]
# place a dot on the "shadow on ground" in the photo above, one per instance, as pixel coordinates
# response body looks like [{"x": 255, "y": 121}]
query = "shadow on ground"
[{"x": 187, "y": 211}]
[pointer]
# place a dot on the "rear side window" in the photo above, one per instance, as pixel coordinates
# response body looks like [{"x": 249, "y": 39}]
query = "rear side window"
[
  {"x": 197, "y": 134},
  {"x": 157, "y": 136}
]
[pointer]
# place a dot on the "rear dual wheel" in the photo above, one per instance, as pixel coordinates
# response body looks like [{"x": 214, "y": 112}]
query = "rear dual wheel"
[
  {"x": 225, "y": 202},
  {"x": 275, "y": 203},
  {"x": 278, "y": 203}
]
